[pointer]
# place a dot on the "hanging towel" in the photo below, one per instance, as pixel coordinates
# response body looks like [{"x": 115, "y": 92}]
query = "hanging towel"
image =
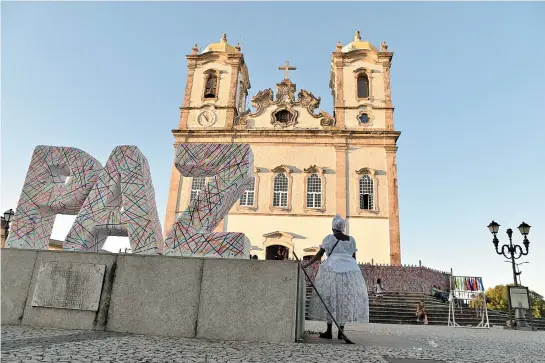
[{"x": 481, "y": 286}]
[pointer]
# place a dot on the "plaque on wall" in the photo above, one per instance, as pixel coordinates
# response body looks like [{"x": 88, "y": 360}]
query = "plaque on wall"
[{"x": 66, "y": 285}]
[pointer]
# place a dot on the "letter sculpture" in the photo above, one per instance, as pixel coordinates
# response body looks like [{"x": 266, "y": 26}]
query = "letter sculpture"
[
  {"x": 122, "y": 203},
  {"x": 192, "y": 233},
  {"x": 57, "y": 182},
  {"x": 119, "y": 200}
]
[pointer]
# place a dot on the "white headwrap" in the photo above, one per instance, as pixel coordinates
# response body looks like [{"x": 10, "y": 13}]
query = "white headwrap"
[{"x": 338, "y": 223}]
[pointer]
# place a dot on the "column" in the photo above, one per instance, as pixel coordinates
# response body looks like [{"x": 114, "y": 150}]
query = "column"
[
  {"x": 184, "y": 113},
  {"x": 340, "y": 179},
  {"x": 172, "y": 202},
  {"x": 393, "y": 206}
]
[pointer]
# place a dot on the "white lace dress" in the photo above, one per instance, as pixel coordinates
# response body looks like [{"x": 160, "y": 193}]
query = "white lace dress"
[{"x": 341, "y": 285}]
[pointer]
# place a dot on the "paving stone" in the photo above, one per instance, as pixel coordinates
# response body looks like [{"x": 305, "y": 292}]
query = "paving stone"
[{"x": 375, "y": 343}]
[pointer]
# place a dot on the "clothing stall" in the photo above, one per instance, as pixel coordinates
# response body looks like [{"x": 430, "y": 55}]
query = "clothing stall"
[{"x": 466, "y": 290}]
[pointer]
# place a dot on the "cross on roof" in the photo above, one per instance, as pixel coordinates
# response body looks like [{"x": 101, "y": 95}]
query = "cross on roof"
[{"x": 287, "y": 68}]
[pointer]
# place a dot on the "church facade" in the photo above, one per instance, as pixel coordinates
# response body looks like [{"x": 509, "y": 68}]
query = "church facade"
[{"x": 309, "y": 164}]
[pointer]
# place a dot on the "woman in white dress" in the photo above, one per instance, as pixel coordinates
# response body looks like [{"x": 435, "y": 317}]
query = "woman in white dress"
[{"x": 339, "y": 281}]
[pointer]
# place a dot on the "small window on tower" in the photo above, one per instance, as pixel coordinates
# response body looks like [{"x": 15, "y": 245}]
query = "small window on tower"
[
  {"x": 282, "y": 116},
  {"x": 363, "y": 86},
  {"x": 211, "y": 88}
]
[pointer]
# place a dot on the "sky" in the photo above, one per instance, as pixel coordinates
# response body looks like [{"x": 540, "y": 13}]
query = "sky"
[{"x": 467, "y": 84}]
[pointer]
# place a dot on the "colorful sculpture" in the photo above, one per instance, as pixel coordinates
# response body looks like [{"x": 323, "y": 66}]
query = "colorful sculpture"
[
  {"x": 121, "y": 203},
  {"x": 58, "y": 181},
  {"x": 119, "y": 200},
  {"x": 232, "y": 166}
]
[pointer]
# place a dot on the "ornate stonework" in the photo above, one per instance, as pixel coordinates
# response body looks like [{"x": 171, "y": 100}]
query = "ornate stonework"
[
  {"x": 370, "y": 117},
  {"x": 290, "y": 118},
  {"x": 285, "y": 101}
]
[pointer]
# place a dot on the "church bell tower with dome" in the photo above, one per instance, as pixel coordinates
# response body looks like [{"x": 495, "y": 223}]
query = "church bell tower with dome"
[{"x": 310, "y": 164}]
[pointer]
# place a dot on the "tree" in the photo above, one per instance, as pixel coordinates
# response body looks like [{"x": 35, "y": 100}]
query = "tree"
[{"x": 496, "y": 299}]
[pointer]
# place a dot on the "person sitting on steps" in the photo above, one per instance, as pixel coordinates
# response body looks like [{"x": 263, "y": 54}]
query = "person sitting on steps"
[
  {"x": 379, "y": 290},
  {"x": 421, "y": 312}
]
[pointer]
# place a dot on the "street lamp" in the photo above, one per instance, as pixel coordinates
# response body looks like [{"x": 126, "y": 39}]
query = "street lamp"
[
  {"x": 518, "y": 269},
  {"x": 511, "y": 251},
  {"x": 7, "y": 218}
]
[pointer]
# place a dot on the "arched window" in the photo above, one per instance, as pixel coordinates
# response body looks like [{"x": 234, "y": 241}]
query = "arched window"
[
  {"x": 280, "y": 190},
  {"x": 314, "y": 191},
  {"x": 197, "y": 186},
  {"x": 247, "y": 199},
  {"x": 363, "y": 86},
  {"x": 366, "y": 193},
  {"x": 211, "y": 87}
]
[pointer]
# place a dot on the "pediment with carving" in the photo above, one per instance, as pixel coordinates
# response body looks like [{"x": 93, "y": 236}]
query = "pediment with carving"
[{"x": 282, "y": 108}]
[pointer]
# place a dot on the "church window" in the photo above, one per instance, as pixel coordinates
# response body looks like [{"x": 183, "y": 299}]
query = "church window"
[
  {"x": 282, "y": 116},
  {"x": 366, "y": 193},
  {"x": 211, "y": 87},
  {"x": 247, "y": 199},
  {"x": 280, "y": 196},
  {"x": 197, "y": 186},
  {"x": 364, "y": 118},
  {"x": 363, "y": 86},
  {"x": 314, "y": 191}
]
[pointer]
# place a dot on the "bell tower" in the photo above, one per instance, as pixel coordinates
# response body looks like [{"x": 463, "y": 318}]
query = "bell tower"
[
  {"x": 216, "y": 88},
  {"x": 360, "y": 85}
]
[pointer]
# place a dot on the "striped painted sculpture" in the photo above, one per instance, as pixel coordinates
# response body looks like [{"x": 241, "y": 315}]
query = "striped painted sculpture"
[
  {"x": 58, "y": 181},
  {"x": 232, "y": 169}
]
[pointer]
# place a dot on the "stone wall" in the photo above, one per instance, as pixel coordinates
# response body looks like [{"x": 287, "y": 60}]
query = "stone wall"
[
  {"x": 211, "y": 298},
  {"x": 399, "y": 278}
]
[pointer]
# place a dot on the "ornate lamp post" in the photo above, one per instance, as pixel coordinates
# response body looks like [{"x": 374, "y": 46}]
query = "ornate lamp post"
[
  {"x": 519, "y": 272},
  {"x": 8, "y": 215},
  {"x": 513, "y": 252}
]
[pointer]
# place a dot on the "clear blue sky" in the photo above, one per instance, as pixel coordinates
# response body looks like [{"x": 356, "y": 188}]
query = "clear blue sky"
[{"x": 467, "y": 83}]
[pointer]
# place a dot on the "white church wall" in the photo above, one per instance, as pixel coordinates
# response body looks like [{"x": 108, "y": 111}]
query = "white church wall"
[
  {"x": 309, "y": 231},
  {"x": 372, "y": 237},
  {"x": 298, "y": 158},
  {"x": 373, "y": 158},
  {"x": 371, "y": 234}
]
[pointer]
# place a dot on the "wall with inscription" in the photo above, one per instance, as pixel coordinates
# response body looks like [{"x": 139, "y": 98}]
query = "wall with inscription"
[{"x": 136, "y": 294}]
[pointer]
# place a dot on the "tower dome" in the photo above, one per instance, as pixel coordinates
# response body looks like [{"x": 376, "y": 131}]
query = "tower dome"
[{"x": 222, "y": 46}]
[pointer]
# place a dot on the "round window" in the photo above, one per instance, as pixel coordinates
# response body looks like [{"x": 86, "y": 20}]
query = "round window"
[{"x": 364, "y": 118}]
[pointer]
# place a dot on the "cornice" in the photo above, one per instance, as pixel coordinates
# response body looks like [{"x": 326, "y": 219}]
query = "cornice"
[
  {"x": 217, "y": 107},
  {"x": 329, "y": 134}
]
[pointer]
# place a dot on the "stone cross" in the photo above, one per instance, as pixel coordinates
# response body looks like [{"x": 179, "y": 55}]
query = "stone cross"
[{"x": 287, "y": 68}]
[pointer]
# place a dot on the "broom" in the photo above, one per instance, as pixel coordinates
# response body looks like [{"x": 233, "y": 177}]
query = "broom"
[{"x": 345, "y": 338}]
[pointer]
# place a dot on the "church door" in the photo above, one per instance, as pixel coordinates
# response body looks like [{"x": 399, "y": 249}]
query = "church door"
[{"x": 277, "y": 252}]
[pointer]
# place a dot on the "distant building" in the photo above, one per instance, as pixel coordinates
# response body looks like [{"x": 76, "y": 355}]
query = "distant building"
[{"x": 309, "y": 164}]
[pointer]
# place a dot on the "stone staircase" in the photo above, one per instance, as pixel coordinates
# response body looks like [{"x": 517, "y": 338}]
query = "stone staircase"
[{"x": 400, "y": 307}]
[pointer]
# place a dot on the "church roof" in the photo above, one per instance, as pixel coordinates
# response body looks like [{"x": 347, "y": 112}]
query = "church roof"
[
  {"x": 358, "y": 44},
  {"x": 222, "y": 46}
]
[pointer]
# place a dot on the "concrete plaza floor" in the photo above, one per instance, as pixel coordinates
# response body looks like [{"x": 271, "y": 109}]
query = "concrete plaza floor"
[{"x": 374, "y": 343}]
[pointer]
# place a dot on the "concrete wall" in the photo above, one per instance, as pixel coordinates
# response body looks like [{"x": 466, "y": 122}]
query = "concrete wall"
[{"x": 169, "y": 296}]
